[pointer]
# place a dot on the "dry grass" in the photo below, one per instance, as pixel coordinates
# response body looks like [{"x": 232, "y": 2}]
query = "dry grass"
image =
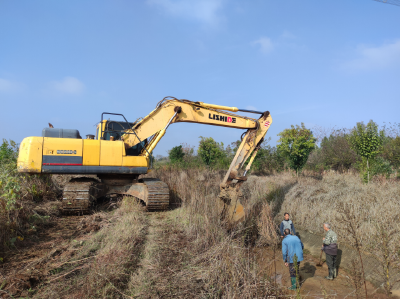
[
  {"x": 366, "y": 217},
  {"x": 102, "y": 265},
  {"x": 202, "y": 259},
  {"x": 311, "y": 201},
  {"x": 187, "y": 253},
  {"x": 323, "y": 199}
]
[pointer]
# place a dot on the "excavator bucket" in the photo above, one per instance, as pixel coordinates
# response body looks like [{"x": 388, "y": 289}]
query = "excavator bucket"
[{"x": 231, "y": 209}]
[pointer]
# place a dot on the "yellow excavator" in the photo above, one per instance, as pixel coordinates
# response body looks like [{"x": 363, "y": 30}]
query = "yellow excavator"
[{"x": 122, "y": 151}]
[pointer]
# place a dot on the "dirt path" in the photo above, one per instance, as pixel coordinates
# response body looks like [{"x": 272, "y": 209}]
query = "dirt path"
[{"x": 162, "y": 272}]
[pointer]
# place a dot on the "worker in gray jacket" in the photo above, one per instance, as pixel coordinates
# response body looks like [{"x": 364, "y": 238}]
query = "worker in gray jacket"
[
  {"x": 287, "y": 224},
  {"x": 329, "y": 246}
]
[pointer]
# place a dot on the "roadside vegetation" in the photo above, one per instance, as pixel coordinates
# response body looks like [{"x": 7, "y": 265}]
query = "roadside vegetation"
[{"x": 19, "y": 194}]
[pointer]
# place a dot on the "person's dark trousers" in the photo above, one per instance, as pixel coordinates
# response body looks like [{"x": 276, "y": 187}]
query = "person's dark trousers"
[
  {"x": 292, "y": 269},
  {"x": 331, "y": 263},
  {"x": 293, "y": 279}
]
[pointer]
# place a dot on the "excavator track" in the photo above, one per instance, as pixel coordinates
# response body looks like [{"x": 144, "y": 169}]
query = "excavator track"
[
  {"x": 79, "y": 195},
  {"x": 157, "y": 196}
]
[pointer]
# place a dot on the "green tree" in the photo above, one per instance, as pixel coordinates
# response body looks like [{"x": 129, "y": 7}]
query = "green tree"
[
  {"x": 210, "y": 151},
  {"x": 366, "y": 141},
  {"x": 176, "y": 154},
  {"x": 295, "y": 145},
  {"x": 391, "y": 151}
]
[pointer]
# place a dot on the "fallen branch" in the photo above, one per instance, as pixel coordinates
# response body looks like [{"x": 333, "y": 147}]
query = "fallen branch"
[
  {"x": 65, "y": 274},
  {"x": 57, "y": 266}
]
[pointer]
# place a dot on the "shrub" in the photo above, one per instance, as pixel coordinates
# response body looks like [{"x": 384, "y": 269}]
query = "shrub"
[
  {"x": 336, "y": 153},
  {"x": 211, "y": 151},
  {"x": 9, "y": 182},
  {"x": 8, "y": 151},
  {"x": 391, "y": 151},
  {"x": 176, "y": 154},
  {"x": 377, "y": 166},
  {"x": 268, "y": 159},
  {"x": 17, "y": 192}
]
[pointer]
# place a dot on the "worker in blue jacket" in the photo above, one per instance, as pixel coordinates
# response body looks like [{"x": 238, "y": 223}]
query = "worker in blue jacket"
[{"x": 291, "y": 246}]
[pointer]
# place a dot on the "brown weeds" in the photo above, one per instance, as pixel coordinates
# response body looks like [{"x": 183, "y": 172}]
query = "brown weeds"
[
  {"x": 101, "y": 266},
  {"x": 208, "y": 260},
  {"x": 187, "y": 253}
]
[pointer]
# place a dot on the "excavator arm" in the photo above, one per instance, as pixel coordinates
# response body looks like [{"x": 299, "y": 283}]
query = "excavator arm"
[{"x": 171, "y": 110}]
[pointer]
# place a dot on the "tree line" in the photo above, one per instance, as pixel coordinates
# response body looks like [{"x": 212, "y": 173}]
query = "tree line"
[{"x": 367, "y": 148}]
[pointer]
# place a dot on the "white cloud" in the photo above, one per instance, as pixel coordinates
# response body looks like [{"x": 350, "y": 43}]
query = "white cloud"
[
  {"x": 374, "y": 58},
  {"x": 68, "y": 85},
  {"x": 205, "y": 11},
  {"x": 7, "y": 86},
  {"x": 265, "y": 44}
]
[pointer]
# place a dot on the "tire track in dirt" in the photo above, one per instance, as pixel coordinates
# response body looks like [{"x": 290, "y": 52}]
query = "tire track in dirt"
[
  {"x": 163, "y": 272},
  {"x": 142, "y": 278}
]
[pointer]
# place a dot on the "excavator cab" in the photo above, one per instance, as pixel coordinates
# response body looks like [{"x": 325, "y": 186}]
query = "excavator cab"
[{"x": 113, "y": 130}]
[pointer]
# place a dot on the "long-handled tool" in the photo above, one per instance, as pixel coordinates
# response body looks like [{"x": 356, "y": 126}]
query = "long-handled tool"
[{"x": 320, "y": 260}]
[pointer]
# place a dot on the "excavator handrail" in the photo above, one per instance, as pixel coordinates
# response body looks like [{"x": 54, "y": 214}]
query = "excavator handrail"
[{"x": 131, "y": 128}]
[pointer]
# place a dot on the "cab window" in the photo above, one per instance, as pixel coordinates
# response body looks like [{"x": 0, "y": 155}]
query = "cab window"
[{"x": 115, "y": 129}]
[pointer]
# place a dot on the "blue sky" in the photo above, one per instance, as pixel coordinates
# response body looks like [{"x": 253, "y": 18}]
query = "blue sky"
[{"x": 324, "y": 63}]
